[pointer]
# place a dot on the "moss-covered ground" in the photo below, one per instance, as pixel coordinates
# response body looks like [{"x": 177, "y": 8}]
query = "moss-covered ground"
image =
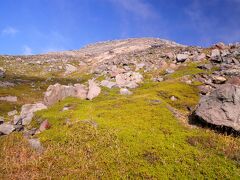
[{"x": 124, "y": 137}]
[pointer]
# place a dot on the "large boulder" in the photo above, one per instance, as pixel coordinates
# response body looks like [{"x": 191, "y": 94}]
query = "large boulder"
[
  {"x": 94, "y": 90},
  {"x": 58, "y": 92},
  {"x": 28, "y": 110},
  {"x": 221, "y": 107}
]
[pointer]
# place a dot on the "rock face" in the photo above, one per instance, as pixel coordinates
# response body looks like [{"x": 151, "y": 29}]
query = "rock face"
[
  {"x": 58, "y": 92},
  {"x": 221, "y": 107},
  {"x": 94, "y": 90},
  {"x": 27, "y": 112}
]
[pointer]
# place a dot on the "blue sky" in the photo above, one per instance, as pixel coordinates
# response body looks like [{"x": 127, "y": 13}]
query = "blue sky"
[{"x": 38, "y": 26}]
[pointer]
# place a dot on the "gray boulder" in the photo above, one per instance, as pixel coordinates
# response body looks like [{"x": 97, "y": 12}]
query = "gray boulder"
[
  {"x": 125, "y": 91},
  {"x": 108, "y": 84},
  {"x": 70, "y": 69},
  {"x": 221, "y": 107},
  {"x": 9, "y": 98},
  {"x": 28, "y": 110},
  {"x": 182, "y": 57},
  {"x": 6, "y": 128}
]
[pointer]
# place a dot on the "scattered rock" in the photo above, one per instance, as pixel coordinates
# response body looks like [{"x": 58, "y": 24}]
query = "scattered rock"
[
  {"x": 108, "y": 84},
  {"x": 234, "y": 81},
  {"x": 205, "y": 89},
  {"x": 9, "y": 98},
  {"x": 200, "y": 57},
  {"x": 2, "y": 72},
  {"x": 218, "y": 79},
  {"x": 125, "y": 91},
  {"x": 170, "y": 71},
  {"x": 129, "y": 80},
  {"x": 28, "y": 110},
  {"x": 12, "y": 113},
  {"x": 221, "y": 107},
  {"x": 158, "y": 79},
  {"x": 205, "y": 66},
  {"x": 36, "y": 145},
  {"x": 173, "y": 98},
  {"x": 44, "y": 126},
  {"x": 94, "y": 90},
  {"x": 70, "y": 69},
  {"x": 182, "y": 57},
  {"x": 215, "y": 53},
  {"x": 6, "y": 128}
]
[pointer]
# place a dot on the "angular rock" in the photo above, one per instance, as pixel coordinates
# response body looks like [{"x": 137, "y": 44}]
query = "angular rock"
[
  {"x": 28, "y": 110},
  {"x": 108, "y": 84},
  {"x": 218, "y": 79},
  {"x": 44, "y": 126},
  {"x": 215, "y": 53},
  {"x": 6, "y": 128},
  {"x": 9, "y": 98},
  {"x": 125, "y": 91},
  {"x": 36, "y": 144},
  {"x": 94, "y": 90},
  {"x": 234, "y": 81},
  {"x": 70, "y": 69},
  {"x": 182, "y": 57},
  {"x": 200, "y": 57},
  {"x": 170, "y": 71},
  {"x": 221, "y": 107}
]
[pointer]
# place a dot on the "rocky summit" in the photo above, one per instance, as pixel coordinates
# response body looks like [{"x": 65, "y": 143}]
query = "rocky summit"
[{"x": 142, "y": 108}]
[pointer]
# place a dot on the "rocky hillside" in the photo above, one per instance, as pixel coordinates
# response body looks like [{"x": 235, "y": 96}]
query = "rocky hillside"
[{"x": 137, "y": 108}]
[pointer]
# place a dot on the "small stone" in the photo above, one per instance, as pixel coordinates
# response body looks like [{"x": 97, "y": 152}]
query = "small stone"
[
  {"x": 173, "y": 98},
  {"x": 44, "y": 126},
  {"x": 218, "y": 79},
  {"x": 169, "y": 71},
  {"x": 125, "y": 91},
  {"x": 35, "y": 144}
]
